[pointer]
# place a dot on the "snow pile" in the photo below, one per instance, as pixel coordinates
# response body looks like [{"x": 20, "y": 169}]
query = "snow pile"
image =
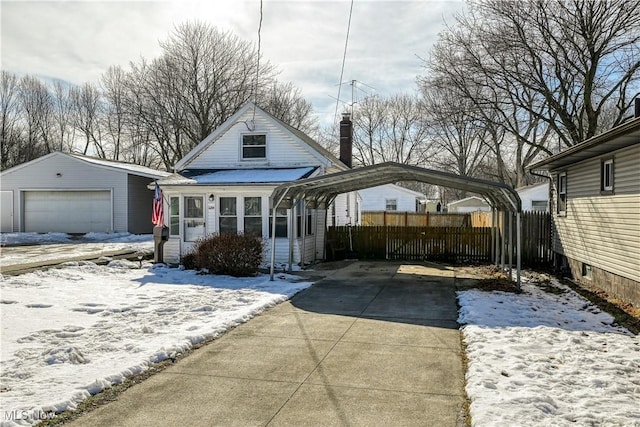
[
  {"x": 70, "y": 332},
  {"x": 543, "y": 358}
]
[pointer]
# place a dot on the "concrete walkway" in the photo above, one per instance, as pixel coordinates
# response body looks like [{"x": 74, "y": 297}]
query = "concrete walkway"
[{"x": 370, "y": 344}]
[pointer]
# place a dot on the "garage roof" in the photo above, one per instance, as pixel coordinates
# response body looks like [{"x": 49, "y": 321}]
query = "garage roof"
[{"x": 326, "y": 187}]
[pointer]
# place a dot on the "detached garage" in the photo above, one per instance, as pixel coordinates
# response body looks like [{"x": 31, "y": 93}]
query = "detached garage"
[{"x": 71, "y": 193}]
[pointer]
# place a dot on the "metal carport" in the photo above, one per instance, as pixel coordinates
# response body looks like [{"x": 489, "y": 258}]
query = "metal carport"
[{"x": 322, "y": 190}]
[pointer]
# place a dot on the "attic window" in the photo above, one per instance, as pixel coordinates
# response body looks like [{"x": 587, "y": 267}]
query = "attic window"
[{"x": 254, "y": 146}]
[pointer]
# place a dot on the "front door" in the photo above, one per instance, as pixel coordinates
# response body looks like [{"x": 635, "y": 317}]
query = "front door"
[{"x": 193, "y": 218}]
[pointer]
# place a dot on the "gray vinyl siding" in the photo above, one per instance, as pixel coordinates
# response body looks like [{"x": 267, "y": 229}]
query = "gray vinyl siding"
[
  {"x": 74, "y": 175},
  {"x": 140, "y": 205},
  {"x": 602, "y": 230}
]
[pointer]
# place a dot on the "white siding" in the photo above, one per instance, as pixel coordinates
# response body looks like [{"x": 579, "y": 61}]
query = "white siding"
[
  {"x": 374, "y": 198},
  {"x": 533, "y": 193},
  {"x": 602, "y": 230},
  {"x": 348, "y": 208},
  {"x": 283, "y": 148},
  {"x": 74, "y": 174}
]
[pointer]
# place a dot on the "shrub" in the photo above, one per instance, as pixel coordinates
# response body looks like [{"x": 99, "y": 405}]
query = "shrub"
[
  {"x": 237, "y": 255},
  {"x": 188, "y": 261}
]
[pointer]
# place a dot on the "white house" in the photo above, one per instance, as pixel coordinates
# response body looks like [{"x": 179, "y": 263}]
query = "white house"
[
  {"x": 468, "y": 204},
  {"x": 72, "y": 193},
  {"x": 535, "y": 197},
  {"x": 224, "y": 185},
  {"x": 392, "y": 198}
]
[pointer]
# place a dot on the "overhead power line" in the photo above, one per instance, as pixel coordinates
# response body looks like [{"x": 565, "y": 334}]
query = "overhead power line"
[{"x": 344, "y": 58}]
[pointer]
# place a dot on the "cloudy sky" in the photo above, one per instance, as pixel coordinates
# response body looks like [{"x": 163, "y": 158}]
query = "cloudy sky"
[{"x": 78, "y": 40}]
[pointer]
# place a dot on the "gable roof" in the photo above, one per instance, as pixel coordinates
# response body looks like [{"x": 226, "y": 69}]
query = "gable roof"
[
  {"x": 467, "y": 199},
  {"x": 235, "y": 118},
  {"x": 621, "y": 136},
  {"x": 396, "y": 187},
  {"x": 129, "y": 168}
]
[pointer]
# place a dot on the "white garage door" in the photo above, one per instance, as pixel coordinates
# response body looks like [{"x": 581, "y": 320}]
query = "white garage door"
[{"x": 67, "y": 211}]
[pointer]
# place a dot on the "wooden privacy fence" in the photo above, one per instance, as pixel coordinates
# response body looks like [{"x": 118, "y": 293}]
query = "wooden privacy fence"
[
  {"x": 446, "y": 244},
  {"x": 415, "y": 219}
]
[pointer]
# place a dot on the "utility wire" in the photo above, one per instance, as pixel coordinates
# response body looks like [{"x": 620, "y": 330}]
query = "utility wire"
[
  {"x": 255, "y": 87},
  {"x": 344, "y": 58}
]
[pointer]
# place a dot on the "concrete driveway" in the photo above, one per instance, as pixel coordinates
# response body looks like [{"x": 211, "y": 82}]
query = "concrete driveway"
[
  {"x": 374, "y": 343},
  {"x": 24, "y": 258}
]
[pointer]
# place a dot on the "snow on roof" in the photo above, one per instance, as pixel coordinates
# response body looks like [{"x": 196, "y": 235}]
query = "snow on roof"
[
  {"x": 470, "y": 198},
  {"x": 240, "y": 176},
  {"x": 128, "y": 167}
]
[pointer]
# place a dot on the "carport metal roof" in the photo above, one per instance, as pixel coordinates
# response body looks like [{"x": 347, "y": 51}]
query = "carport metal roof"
[{"x": 325, "y": 188}]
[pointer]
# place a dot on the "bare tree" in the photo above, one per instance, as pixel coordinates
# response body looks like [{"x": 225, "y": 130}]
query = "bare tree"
[
  {"x": 285, "y": 102},
  {"x": 389, "y": 129},
  {"x": 86, "y": 102},
  {"x": 10, "y": 128},
  {"x": 580, "y": 56}
]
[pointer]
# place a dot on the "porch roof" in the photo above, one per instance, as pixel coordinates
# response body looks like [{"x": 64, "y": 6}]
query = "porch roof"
[{"x": 237, "y": 176}]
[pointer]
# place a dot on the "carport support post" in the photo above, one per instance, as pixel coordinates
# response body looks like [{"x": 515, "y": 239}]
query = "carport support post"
[
  {"x": 303, "y": 221},
  {"x": 292, "y": 217},
  {"x": 519, "y": 248},
  {"x": 502, "y": 233},
  {"x": 493, "y": 233},
  {"x": 510, "y": 245},
  {"x": 273, "y": 241}
]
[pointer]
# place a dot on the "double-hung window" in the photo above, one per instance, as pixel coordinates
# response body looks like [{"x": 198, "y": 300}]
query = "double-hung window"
[
  {"x": 253, "y": 215},
  {"x": 228, "y": 215},
  {"x": 254, "y": 147},
  {"x": 281, "y": 223},
  {"x": 174, "y": 216},
  {"x": 606, "y": 176},
  {"x": 391, "y": 205},
  {"x": 193, "y": 218},
  {"x": 562, "y": 192}
]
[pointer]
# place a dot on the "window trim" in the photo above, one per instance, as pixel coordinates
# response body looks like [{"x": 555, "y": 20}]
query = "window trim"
[
  {"x": 172, "y": 216},
  {"x": 242, "y": 147},
  {"x": 607, "y": 189},
  {"x": 561, "y": 203},
  {"x": 221, "y": 215},
  {"x": 186, "y": 218},
  {"x": 386, "y": 205},
  {"x": 279, "y": 214},
  {"x": 245, "y": 216}
]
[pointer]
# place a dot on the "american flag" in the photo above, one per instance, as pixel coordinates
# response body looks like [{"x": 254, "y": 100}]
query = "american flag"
[{"x": 157, "y": 217}]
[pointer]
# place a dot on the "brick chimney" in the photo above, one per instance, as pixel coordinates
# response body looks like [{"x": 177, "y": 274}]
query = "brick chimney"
[{"x": 346, "y": 139}]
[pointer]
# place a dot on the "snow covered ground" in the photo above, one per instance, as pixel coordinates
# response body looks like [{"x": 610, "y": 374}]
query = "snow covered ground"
[
  {"x": 70, "y": 332},
  {"x": 549, "y": 359}
]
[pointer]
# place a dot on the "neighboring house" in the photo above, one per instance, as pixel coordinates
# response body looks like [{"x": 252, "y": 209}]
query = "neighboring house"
[
  {"x": 71, "y": 193},
  {"x": 535, "y": 197},
  {"x": 432, "y": 206},
  {"x": 596, "y": 210},
  {"x": 469, "y": 204},
  {"x": 391, "y": 198},
  {"x": 224, "y": 185},
  {"x": 345, "y": 210}
]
